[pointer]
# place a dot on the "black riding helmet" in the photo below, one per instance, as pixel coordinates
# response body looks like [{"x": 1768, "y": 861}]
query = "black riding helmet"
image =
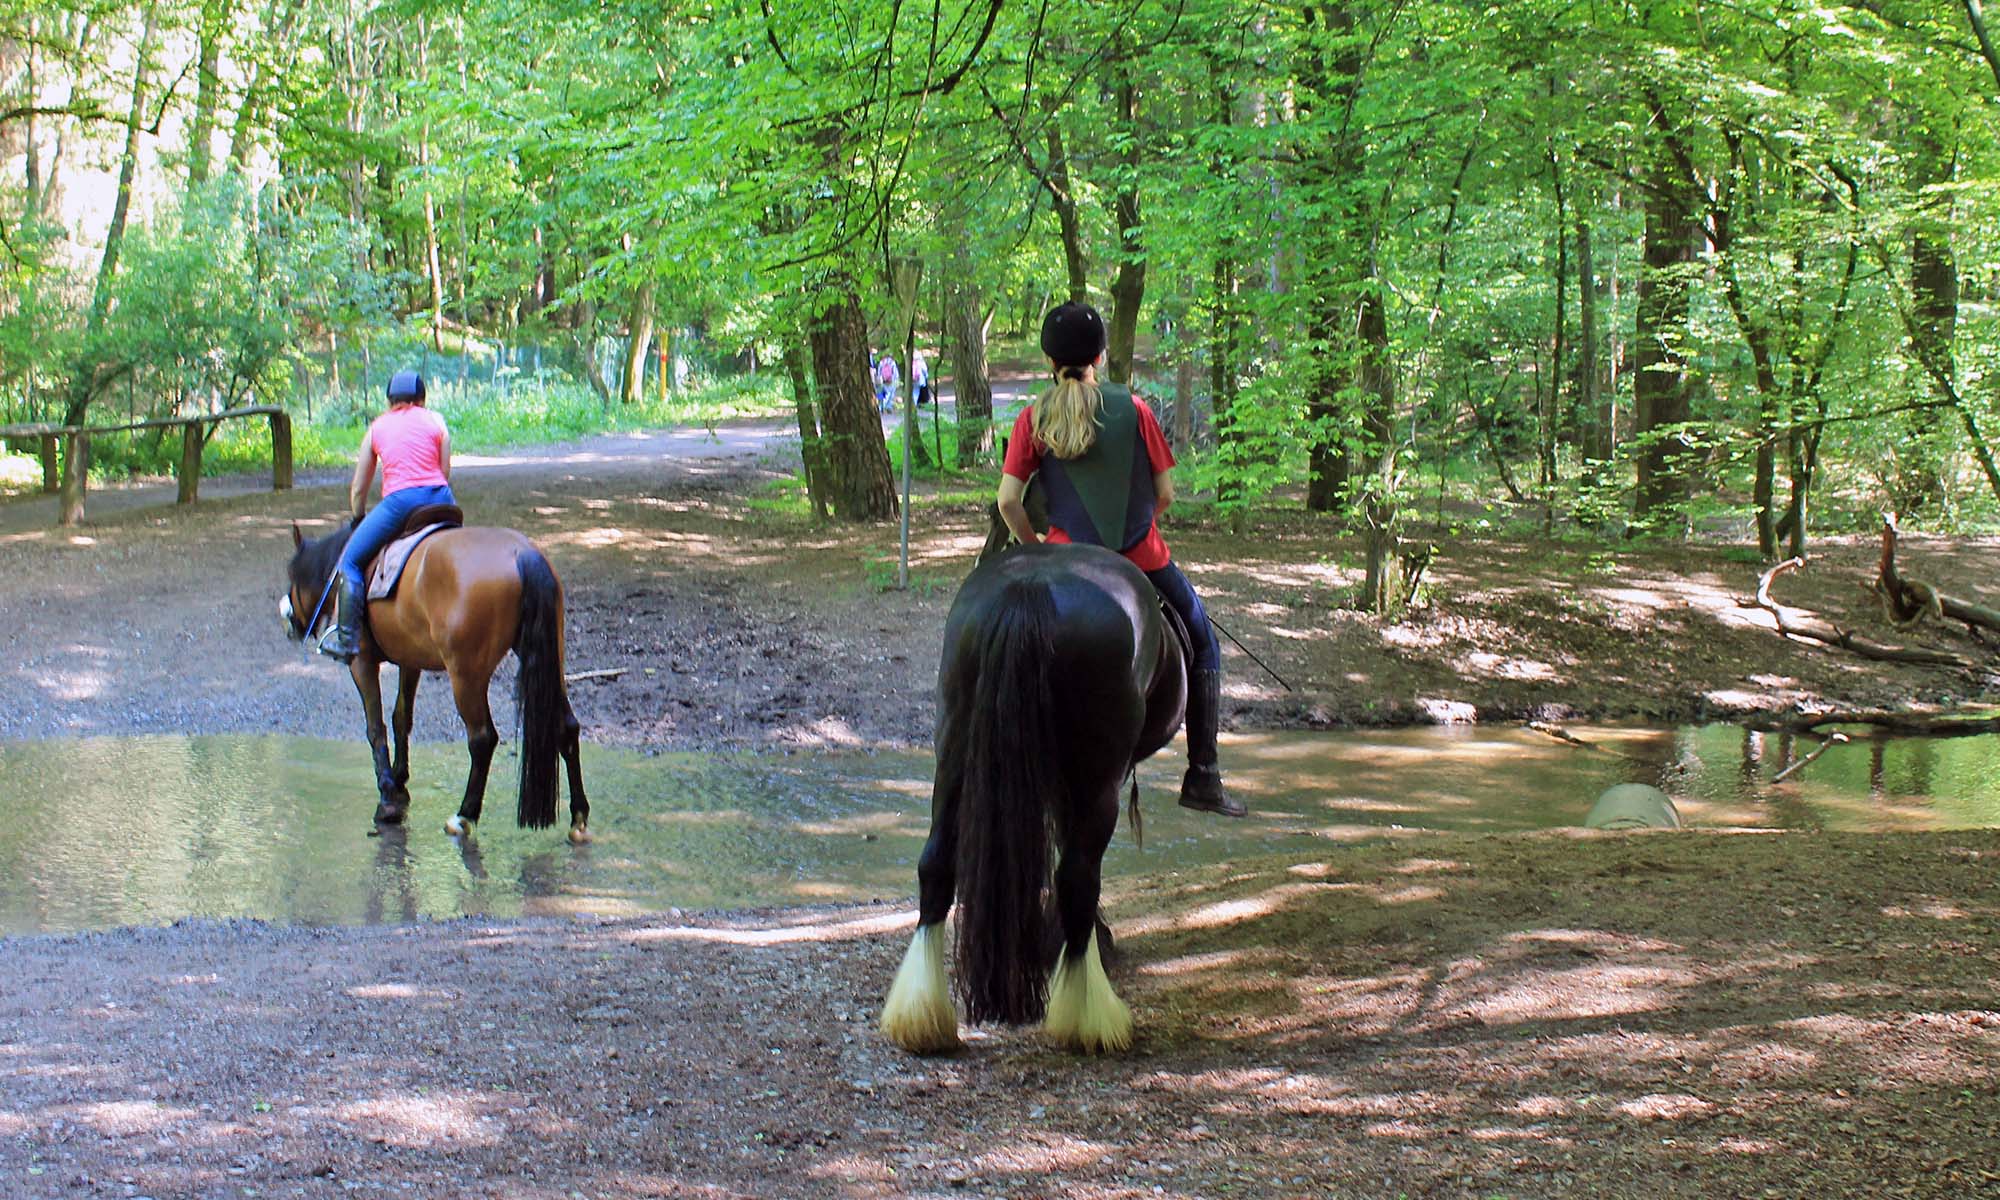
[
  {"x": 1073, "y": 334},
  {"x": 406, "y": 387}
]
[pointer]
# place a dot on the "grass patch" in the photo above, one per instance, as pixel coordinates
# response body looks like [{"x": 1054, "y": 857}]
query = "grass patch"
[{"x": 482, "y": 418}]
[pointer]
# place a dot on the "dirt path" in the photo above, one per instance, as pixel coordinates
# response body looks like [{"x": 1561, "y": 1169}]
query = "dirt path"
[{"x": 1672, "y": 1015}]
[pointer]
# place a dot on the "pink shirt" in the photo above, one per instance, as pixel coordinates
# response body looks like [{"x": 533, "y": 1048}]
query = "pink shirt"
[{"x": 409, "y": 440}]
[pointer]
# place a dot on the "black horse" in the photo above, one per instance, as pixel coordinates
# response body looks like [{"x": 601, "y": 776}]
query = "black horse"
[{"x": 1060, "y": 674}]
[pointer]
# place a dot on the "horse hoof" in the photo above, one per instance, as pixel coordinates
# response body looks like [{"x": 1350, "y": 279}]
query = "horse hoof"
[
  {"x": 386, "y": 815},
  {"x": 457, "y": 826},
  {"x": 578, "y": 835}
]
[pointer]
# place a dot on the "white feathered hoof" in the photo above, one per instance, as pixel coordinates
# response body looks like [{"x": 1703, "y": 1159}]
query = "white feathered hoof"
[
  {"x": 918, "y": 1015},
  {"x": 457, "y": 826},
  {"x": 1084, "y": 1014}
]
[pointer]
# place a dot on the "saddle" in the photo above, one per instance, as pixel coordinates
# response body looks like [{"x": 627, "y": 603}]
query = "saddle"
[
  {"x": 1179, "y": 627},
  {"x": 387, "y": 568}
]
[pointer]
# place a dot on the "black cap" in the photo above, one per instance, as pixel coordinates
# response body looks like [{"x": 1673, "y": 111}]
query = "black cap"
[
  {"x": 1073, "y": 334},
  {"x": 406, "y": 387}
]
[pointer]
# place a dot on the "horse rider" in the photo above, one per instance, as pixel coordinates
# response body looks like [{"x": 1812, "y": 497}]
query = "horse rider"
[
  {"x": 414, "y": 448},
  {"x": 1108, "y": 474}
]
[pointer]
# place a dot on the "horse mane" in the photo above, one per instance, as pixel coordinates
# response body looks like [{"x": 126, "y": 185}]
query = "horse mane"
[{"x": 314, "y": 561}]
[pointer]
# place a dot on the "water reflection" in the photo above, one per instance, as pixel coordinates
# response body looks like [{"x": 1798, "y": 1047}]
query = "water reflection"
[{"x": 109, "y": 831}]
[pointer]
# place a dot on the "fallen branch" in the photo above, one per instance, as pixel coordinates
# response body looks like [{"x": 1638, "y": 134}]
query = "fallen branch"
[
  {"x": 1563, "y": 735},
  {"x": 1838, "y": 739},
  {"x": 607, "y": 673},
  {"x": 1813, "y": 629},
  {"x": 1908, "y": 601},
  {"x": 1959, "y": 724}
]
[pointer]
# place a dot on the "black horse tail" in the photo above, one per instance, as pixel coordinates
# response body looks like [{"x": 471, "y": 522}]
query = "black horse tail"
[
  {"x": 1011, "y": 772},
  {"x": 539, "y": 688}
]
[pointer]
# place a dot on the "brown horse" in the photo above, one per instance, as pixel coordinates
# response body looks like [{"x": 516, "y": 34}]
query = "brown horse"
[{"x": 467, "y": 597}]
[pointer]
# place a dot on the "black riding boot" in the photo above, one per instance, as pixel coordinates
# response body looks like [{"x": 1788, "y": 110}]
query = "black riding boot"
[
  {"x": 342, "y": 639},
  {"x": 1201, "y": 787}
]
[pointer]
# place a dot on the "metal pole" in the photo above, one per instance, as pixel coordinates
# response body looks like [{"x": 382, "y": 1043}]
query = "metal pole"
[{"x": 910, "y": 429}]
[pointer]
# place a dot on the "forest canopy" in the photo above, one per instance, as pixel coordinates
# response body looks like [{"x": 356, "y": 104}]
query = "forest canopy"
[{"x": 1640, "y": 265}]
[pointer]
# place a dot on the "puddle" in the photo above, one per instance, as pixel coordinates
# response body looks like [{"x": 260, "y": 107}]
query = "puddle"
[{"x": 114, "y": 831}]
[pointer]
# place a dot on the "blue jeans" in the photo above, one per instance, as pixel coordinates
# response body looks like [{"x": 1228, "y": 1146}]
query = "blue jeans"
[
  {"x": 1179, "y": 593},
  {"x": 383, "y": 523}
]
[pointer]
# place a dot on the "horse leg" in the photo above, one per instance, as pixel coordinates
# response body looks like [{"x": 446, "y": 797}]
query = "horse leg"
[
  {"x": 918, "y": 1015},
  {"x": 579, "y": 807},
  {"x": 407, "y": 679},
  {"x": 367, "y": 672},
  {"x": 481, "y": 739},
  {"x": 1084, "y": 1013}
]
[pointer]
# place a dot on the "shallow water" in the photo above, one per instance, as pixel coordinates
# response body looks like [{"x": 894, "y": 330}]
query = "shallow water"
[{"x": 114, "y": 831}]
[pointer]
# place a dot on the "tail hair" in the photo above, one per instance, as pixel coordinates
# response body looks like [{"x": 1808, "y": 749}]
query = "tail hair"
[
  {"x": 539, "y": 694},
  {"x": 1004, "y": 708}
]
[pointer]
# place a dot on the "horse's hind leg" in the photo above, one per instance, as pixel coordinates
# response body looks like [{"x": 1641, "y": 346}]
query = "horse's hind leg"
[
  {"x": 918, "y": 1015},
  {"x": 407, "y": 679},
  {"x": 579, "y": 807},
  {"x": 1084, "y": 1013},
  {"x": 367, "y": 672},
  {"x": 481, "y": 739}
]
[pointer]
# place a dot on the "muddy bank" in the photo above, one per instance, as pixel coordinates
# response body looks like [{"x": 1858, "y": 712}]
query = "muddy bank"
[
  {"x": 739, "y": 622},
  {"x": 1537, "y": 1015}
]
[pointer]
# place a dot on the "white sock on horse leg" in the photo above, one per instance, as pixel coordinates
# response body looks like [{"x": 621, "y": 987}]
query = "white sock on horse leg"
[
  {"x": 918, "y": 1015},
  {"x": 1084, "y": 1013}
]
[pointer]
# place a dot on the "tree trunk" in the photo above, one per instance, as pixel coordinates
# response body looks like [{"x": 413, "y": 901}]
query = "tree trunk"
[
  {"x": 583, "y": 335},
  {"x": 1920, "y": 458},
  {"x": 631, "y": 387},
  {"x": 1129, "y": 289},
  {"x": 858, "y": 484},
  {"x": 215, "y": 16},
  {"x": 1596, "y": 425},
  {"x": 83, "y": 379},
  {"x": 972, "y": 388},
  {"x": 1063, "y": 197},
  {"x": 812, "y": 446},
  {"x": 1660, "y": 386}
]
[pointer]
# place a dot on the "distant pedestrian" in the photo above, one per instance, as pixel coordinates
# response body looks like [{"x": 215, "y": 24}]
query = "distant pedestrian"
[
  {"x": 920, "y": 375},
  {"x": 886, "y": 378}
]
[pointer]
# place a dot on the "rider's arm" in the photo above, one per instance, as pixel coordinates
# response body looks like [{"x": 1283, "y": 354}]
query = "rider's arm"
[
  {"x": 1163, "y": 491},
  {"x": 364, "y": 476},
  {"x": 444, "y": 455},
  {"x": 1014, "y": 512}
]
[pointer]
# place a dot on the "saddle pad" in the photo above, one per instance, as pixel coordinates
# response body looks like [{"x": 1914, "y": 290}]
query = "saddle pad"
[{"x": 388, "y": 565}]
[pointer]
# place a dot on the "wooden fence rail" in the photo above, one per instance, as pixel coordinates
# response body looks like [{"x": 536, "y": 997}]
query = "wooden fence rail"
[{"x": 75, "y": 450}]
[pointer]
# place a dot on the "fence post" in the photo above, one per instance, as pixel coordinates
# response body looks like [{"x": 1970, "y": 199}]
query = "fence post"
[
  {"x": 189, "y": 474},
  {"x": 51, "y": 476},
  {"x": 281, "y": 451},
  {"x": 76, "y": 450}
]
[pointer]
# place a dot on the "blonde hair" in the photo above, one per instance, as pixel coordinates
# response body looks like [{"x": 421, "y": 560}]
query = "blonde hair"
[{"x": 1066, "y": 417}]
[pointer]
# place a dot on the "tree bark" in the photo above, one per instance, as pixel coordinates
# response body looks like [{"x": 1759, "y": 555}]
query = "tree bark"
[
  {"x": 1062, "y": 196},
  {"x": 1596, "y": 425},
  {"x": 812, "y": 446},
  {"x": 214, "y": 28},
  {"x": 972, "y": 388},
  {"x": 858, "y": 483},
  {"x": 1128, "y": 291},
  {"x": 83, "y": 379},
  {"x": 631, "y": 387},
  {"x": 1660, "y": 385},
  {"x": 1921, "y": 468}
]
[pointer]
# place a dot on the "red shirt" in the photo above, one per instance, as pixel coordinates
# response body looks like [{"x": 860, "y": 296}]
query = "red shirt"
[{"x": 1024, "y": 458}]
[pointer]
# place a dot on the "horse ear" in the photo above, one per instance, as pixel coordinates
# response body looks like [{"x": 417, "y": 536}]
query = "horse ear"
[{"x": 298, "y": 539}]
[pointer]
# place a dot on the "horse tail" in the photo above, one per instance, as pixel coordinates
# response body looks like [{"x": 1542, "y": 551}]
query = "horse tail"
[
  {"x": 1005, "y": 709},
  {"x": 538, "y": 643}
]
